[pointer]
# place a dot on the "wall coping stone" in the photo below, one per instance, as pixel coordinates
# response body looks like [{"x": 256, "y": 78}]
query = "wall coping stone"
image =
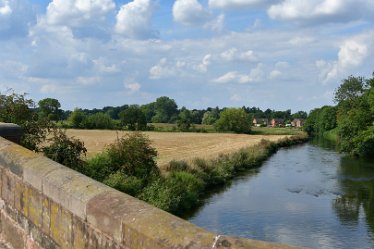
[{"x": 130, "y": 222}]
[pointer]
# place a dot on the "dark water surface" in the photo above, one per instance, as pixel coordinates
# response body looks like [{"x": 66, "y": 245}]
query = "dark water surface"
[{"x": 308, "y": 195}]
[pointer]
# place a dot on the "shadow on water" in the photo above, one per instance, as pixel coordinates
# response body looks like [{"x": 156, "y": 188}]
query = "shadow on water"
[
  {"x": 356, "y": 179},
  {"x": 216, "y": 191}
]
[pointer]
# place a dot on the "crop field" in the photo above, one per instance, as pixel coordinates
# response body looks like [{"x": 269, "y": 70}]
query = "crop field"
[{"x": 175, "y": 145}]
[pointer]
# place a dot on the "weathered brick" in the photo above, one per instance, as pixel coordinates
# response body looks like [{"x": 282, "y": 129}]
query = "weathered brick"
[
  {"x": 13, "y": 157},
  {"x": 11, "y": 232},
  {"x": 8, "y": 188},
  {"x": 42, "y": 239},
  {"x": 71, "y": 190},
  {"x": 35, "y": 169},
  {"x": 80, "y": 234},
  {"x": 35, "y": 207},
  {"x": 46, "y": 215},
  {"x": 61, "y": 226}
]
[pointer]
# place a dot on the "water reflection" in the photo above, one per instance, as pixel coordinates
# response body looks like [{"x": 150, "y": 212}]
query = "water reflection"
[
  {"x": 307, "y": 195},
  {"x": 356, "y": 179}
]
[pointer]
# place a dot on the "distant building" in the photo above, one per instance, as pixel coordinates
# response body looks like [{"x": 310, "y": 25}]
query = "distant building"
[
  {"x": 277, "y": 122},
  {"x": 260, "y": 122},
  {"x": 297, "y": 122}
]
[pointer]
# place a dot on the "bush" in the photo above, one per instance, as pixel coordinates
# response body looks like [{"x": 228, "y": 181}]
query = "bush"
[
  {"x": 65, "y": 150},
  {"x": 177, "y": 166},
  {"x": 177, "y": 192},
  {"x": 128, "y": 184},
  {"x": 100, "y": 167},
  {"x": 134, "y": 156}
]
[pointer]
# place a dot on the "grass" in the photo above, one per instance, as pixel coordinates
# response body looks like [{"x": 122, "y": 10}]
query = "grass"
[
  {"x": 175, "y": 145},
  {"x": 276, "y": 131},
  {"x": 331, "y": 135}
]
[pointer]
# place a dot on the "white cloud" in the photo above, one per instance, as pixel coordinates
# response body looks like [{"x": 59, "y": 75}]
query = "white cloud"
[
  {"x": 217, "y": 24},
  {"x": 161, "y": 70},
  {"x": 203, "y": 66},
  {"x": 189, "y": 12},
  {"x": 321, "y": 10},
  {"x": 88, "y": 81},
  {"x": 301, "y": 40},
  {"x": 255, "y": 75},
  {"x": 133, "y": 87},
  {"x": 77, "y": 13},
  {"x": 352, "y": 53},
  {"x": 231, "y": 4},
  {"x": 134, "y": 19},
  {"x": 5, "y": 9},
  {"x": 233, "y": 54}
]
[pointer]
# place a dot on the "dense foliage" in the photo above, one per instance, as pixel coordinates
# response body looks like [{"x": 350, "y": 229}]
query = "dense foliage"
[
  {"x": 352, "y": 117},
  {"x": 236, "y": 120}
]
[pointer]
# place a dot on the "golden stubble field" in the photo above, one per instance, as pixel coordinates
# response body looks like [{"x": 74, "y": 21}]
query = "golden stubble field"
[{"x": 175, "y": 145}]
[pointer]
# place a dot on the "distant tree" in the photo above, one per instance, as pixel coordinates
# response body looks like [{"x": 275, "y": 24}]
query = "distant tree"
[
  {"x": 166, "y": 110},
  {"x": 133, "y": 118},
  {"x": 149, "y": 111},
  {"x": 98, "y": 121},
  {"x": 77, "y": 118},
  {"x": 299, "y": 114},
  {"x": 211, "y": 116},
  {"x": 184, "y": 119},
  {"x": 233, "y": 119},
  {"x": 50, "y": 108}
]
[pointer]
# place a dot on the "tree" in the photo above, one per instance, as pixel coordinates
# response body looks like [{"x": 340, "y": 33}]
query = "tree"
[
  {"x": 210, "y": 117},
  {"x": 350, "y": 89},
  {"x": 133, "y": 118},
  {"x": 50, "y": 108},
  {"x": 16, "y": 108},
  {"x": 166, "y": 110},
  {"x": 133, "y": 155},
  {"x": 65, "y": 150},
  {"x": 98, "y": 121},
  {"x": 299, "y": 114},
  {"x": 233, "y": 119},
  {"x": 77, "y": 118},
  {"x": 184, "y": 119}
]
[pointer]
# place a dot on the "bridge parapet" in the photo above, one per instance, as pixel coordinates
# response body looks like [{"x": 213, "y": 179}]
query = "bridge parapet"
[{"x": 46, "y": 205}]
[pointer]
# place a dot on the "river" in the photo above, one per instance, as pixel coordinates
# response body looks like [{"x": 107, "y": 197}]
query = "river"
[{"x": 307, "y": 195}]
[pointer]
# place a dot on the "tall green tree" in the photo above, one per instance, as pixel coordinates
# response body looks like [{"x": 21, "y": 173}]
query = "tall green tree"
[
  {"x": 166, "y": 110},
  {"x": 234, "y": 119},
  {"x": 184, "y": 119},
  {"x": 50, "y": 108},
  {"x": 134, "y": 118}
]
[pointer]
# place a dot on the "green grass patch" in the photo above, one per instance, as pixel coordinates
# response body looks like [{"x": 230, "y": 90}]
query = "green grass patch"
[
  {"x": 331, "y": 135},
  {"x": 276, "y": 131}
]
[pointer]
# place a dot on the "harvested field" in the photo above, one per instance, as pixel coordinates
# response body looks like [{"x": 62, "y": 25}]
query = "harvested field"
[{"x": 176, "y": 146}]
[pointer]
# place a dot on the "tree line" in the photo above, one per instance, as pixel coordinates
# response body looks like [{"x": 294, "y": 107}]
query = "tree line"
[
  {"x": 351, "y": 119},
  {"x": 163, "y": 110}
]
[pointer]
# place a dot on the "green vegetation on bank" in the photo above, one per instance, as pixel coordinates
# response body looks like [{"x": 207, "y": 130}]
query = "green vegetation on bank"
[
  {"x": 129, "y": 164},
  {"x": 351, "y": 121}
]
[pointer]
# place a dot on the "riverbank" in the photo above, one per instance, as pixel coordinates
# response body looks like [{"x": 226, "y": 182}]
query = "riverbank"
[{"x": 185, "y": 183}]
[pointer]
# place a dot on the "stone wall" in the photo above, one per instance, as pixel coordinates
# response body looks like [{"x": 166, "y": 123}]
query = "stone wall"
[{"x": 46, "y": 205}]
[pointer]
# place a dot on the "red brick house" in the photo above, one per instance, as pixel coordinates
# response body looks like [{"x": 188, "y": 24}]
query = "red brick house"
[{"x": 277, "y": 122}]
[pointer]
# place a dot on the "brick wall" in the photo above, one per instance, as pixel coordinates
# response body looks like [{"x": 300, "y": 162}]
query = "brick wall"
[{"x": 46, "y": 205}]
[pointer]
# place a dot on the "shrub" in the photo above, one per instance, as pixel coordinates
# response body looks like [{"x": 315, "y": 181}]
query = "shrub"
[
  {"x": 177, "y": 166},
  {"x": 100, "y": 167},
  {"x": 134, "y": 156},
  {"x": 65, "y": 150},
  {"x": 128, "y": 184}
]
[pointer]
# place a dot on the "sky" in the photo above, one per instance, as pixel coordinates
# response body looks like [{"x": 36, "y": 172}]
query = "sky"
[{"x": 277, "y": 54}]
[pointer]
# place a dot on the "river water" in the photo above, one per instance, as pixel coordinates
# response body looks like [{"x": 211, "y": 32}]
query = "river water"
[{"x": 307, "y": 195}]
